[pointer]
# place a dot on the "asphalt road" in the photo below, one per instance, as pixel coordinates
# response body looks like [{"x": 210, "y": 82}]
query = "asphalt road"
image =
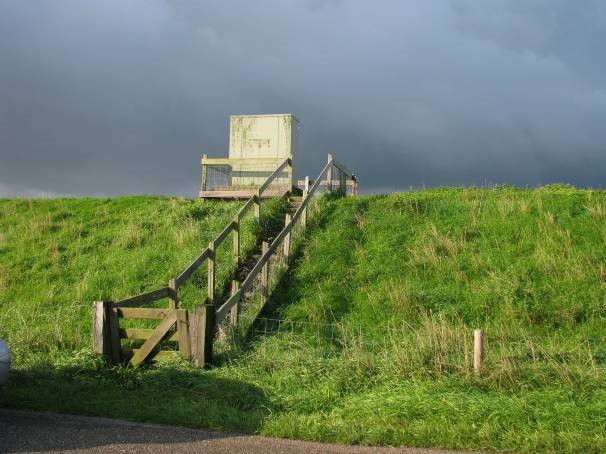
[{"x": 24, "y": 431}]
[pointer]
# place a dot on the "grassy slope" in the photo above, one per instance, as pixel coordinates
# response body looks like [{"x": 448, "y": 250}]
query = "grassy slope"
[
  {"x": 413, "y": 272},
  {"x": 57, "y": 256}
]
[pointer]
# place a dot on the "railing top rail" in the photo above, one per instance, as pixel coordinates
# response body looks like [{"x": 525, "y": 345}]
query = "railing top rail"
[
  {"x": 274, "y": 175},
  {"x": 227, "y": 161},
  {"x": 341, "y": 167},
  {"x": 146, "y": 297}
]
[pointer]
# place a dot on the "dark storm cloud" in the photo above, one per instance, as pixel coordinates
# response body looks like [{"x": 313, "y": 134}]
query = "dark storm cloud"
[{"x": 124, "y": 96}]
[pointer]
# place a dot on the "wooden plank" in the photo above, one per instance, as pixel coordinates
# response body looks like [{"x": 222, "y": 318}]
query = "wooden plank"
[
  {"x": 144, "y": 334},
  {"x": 161, "y": 355},
  {"x": 146, "y": 313},
  {"x": 114, "y": 333},
  {"x": 147, "y": 297},
  {"x": 192, "y": 268},
  {"x": 226, "y": 231},
  {"x": 211, "y": 272},
  {"x": 247, "y": 206},
  {"x": 183, "y": 334},
  {"x": 222, "y": 312},
  {"x": 151, "y": 342}
]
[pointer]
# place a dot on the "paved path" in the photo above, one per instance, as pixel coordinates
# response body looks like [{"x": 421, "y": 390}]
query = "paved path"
[{"x": 24, "y": 431}]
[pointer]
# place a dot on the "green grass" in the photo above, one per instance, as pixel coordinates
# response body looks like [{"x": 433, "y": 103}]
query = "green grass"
[{"x": 401, "y": 281}]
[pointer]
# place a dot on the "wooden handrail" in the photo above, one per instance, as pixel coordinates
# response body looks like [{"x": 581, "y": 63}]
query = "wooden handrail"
[
  {"x": 272, "y": 177},
  {"x": 222, "y": 311},
  {"x": 226, "y": 161},
  {"x": 341, "y": 167},
  {"x": 179, "y": 280},
  {"x": 247, "y": 206},
  {"x": 226, "y": 231},
  {"x": 147, "y": 297}
]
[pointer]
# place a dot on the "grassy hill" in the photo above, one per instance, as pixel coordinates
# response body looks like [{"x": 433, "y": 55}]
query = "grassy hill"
[{"x": 368, "y": 337}]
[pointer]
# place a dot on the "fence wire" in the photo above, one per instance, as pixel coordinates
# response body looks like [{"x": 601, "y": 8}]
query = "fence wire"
[{"x": 245, "y": 177}]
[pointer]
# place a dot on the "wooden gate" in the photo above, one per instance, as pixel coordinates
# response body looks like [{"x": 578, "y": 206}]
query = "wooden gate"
[{"x": 188, "y": 329}]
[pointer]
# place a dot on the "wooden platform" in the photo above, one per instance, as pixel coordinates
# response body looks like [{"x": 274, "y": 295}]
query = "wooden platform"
[{"x": 239, "y": 194}]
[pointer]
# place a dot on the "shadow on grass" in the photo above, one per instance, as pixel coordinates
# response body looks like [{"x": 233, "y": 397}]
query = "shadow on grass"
[{"x": 166, "y": 394}]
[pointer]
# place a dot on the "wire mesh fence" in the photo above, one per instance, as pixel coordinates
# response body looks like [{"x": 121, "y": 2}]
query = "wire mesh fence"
[
  {"x": 245, "y": 177},
  {"x": 423, "y": 350}
]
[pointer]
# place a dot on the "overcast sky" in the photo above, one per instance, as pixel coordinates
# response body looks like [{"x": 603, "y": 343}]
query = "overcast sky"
[{"x": 124, "y": 96}]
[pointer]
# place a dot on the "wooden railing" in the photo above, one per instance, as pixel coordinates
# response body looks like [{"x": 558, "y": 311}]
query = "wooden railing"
[
  {"x": 106, "y": 330},
  {"x": 281, "y": 243},
  {"x": 195, "y": 329}
]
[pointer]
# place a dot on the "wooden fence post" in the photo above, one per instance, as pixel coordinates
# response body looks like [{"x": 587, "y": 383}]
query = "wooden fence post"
[
  {"x": 183, "y": 334},
  {"x": 286, "y": 244},
  {"x": 265, "y": 272},
  {"x": 329, "y": 174},
  {"x": 101, "y": 336},
  {"x": 204, "y": 172},
  {"x": 233, "y": 318},
  {"x": 211, "y": 271},
  {"x": 174, "y": 294},
  {"x": 304, "y": 213},
  {"x": 290, "y": 175},
  {"x": 478, "y": 350},
  {"x": 114, "y": 333},
  {"x": 236, "y": 240},
  {"x": 202, "y": 334}
]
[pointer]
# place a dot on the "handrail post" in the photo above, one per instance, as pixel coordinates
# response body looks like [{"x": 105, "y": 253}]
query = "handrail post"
[
  {"x": 290, "y": 174},
  {"x": 286, "y": 245},
  {"x": 258, "y": 206},
  {"x": 236, "y": 240},
  {"x": 304, "y": 213},
  {"x": 265, "y": 272},
  {"x": 174, "y": 294},
  {"x": 233, "y": 319},
  {"x": 211, "y": 272},
  {"x": 204, "y": 171},
  {"x": 329, "y": 174}
]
